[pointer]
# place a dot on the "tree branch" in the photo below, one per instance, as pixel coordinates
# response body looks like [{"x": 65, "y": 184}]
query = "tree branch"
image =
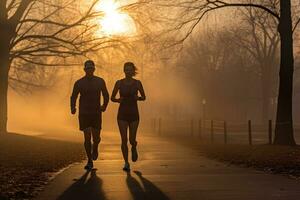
[
  {"x": 223, "y": 4},
  {"x": 297, "y": 23},
  {"x": 11, "y": 5},
  {"x": 19, "y": 12}
]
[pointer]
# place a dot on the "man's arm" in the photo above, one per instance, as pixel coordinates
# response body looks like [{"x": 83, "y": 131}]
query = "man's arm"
[
  {"x": 105, "y": 96},
  {"x": 74, "y": 98}
]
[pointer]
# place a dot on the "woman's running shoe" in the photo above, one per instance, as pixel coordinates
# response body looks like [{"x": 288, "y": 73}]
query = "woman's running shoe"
[
  {"x": 126, "y": 167},
  {"x": 134, "y": 154}
]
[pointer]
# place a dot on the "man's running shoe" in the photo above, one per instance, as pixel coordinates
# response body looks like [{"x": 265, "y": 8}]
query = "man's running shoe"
[
  {"x": 95, "y": 155},
  {"x": 134, "y": 154},
  {"x": 89, "y": 165}
]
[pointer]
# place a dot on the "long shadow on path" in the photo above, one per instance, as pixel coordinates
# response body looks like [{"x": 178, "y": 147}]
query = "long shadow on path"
[
  {"x": 146, "y": 190},
  {"x": 87, "y": 189}
]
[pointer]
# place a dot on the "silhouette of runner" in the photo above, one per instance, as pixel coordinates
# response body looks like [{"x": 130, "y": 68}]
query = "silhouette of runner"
[
  {"x": 90, "y": 88},
  {"x": 128, "y": 114}
]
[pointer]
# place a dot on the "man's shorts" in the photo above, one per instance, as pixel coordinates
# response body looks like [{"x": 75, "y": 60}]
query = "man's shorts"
[{"x": 90, "y": 120}]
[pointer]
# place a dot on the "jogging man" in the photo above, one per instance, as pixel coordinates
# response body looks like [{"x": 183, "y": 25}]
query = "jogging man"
[{"x": 90, "y": 88}]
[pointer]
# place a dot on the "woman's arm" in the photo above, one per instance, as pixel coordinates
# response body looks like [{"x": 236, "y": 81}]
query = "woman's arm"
[
  {"x": 114, "y": 93},
  {"x": 142, "y": 92}
]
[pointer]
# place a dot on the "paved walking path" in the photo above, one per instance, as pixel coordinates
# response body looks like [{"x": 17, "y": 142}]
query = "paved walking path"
[{"x": 165, "y": 171}]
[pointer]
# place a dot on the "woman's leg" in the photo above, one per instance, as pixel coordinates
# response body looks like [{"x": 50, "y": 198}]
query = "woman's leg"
[
  {"x": 123, "y": 126},
  {"x": 133, "y": 126}
]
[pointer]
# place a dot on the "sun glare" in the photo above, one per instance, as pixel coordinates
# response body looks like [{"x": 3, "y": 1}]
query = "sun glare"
[{"x": 114, "y": 22}]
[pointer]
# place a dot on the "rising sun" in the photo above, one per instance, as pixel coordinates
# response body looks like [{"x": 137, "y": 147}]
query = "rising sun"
[{"x": 114, "y": 22}]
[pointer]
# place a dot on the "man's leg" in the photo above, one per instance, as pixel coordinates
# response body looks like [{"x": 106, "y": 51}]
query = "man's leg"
[
  {"x": 96, "y": 141},
  {"x": 87, "y": 143}
]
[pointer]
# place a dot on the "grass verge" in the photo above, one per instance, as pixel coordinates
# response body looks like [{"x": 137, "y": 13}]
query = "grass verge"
[
  {"x": 26, "y": 163},
  {"x": 269, "y": 158}
]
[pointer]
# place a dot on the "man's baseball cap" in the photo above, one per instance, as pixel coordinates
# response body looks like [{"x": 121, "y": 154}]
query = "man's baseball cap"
[{"x": 89, "y": 64}]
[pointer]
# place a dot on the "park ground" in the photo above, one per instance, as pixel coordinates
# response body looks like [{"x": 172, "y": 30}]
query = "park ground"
[{"x": 32, "y": 167}]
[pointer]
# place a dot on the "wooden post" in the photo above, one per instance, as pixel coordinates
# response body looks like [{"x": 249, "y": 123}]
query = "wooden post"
[
  {"x": 225, "y": 132},
  {"x": 192, "y": 127},
  {"x": 270, "y": 131},
  {"x": 200, "y": 128},
  {"x": 249, "y": 132},
  {"x": 153, "y": 125},
  {"x": 212, "y": 131},
  {"x": 159, "y": 126}
]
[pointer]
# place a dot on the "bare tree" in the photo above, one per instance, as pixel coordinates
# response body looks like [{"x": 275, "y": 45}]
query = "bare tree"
[
  {"x": 36, "y": 33},
  {"x": 218, "y": 68},
  {"x": 188, "y": 14},
  {"x": 260, "y": 38}
]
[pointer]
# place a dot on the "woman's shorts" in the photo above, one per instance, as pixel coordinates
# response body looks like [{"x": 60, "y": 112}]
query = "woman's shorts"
[
  {"x": 128, "y": 118},
  {"x": 90, "y": 120}
]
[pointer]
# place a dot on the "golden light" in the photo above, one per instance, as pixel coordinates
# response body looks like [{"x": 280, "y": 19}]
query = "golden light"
[{"x": 114, "y": 22}]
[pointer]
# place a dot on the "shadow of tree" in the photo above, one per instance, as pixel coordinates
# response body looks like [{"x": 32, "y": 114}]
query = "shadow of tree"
[
  {"x": 87, "y": 189},
  {"x": 146, "y": 190}
]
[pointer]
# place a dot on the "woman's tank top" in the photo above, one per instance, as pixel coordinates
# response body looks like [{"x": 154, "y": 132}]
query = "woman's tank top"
[{"x": 128, "y": 109}]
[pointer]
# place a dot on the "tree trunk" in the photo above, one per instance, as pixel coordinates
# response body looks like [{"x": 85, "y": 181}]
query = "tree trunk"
[
  {"x": 284, "y": 134},
  {"x": 6, "y": 34},
  {"x": 4, "y": 68}
]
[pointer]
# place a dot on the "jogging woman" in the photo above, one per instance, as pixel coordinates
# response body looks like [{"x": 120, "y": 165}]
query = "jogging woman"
[{"x": 128, "y": 114}]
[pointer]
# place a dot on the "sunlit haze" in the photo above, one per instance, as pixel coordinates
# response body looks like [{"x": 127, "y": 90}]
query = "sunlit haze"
[{"x": 114, "y": 22}]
